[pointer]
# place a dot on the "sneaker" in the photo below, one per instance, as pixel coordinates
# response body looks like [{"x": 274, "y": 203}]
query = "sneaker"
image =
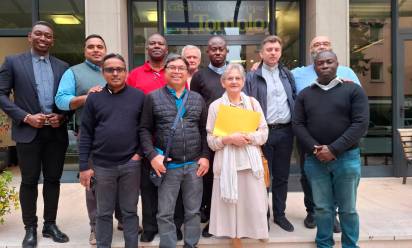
[
  {"x": 309, "y": 221},
  {"x": 92, "y": 238}
]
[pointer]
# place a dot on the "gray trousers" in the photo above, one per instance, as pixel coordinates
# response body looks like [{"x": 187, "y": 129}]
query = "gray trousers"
[
  {"x": 91, "y": 204},
  {"x": 192, "y": 189},
  {"x": 122, "y": 182}
]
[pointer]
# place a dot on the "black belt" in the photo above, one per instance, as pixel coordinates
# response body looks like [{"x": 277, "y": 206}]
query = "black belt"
[{"x": 279, "y": 125}]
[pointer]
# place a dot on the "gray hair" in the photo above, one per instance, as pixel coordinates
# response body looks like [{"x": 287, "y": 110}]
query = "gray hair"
[
  {"x": 191, "y": 47},
  {"x": 233, "y": 66}
]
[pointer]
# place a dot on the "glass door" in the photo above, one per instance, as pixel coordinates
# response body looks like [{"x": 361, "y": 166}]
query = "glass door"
[{"x": 404, "y": 91}]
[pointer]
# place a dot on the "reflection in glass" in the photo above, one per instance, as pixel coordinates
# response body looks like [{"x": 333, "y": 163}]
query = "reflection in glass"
[
  {"x": 245, "y": 54},
  {"x": 370, "y": 58},
  {"x": 405, "y": 13},
  {"x": 287, "y": 27},
  {"x": 67, "y": 18},
  {"x": 144, "y": 23},
  {"x": 12, "y": 45},
  {"x": 15, "y": 14},
  {"x": 216, "y": 17},
  {"x": 407, "y": 84}
]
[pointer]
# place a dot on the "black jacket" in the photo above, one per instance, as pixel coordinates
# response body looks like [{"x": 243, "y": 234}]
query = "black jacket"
[
  {"x": 189, "y": 141},
  {"x": 17, "y": 74},
  {"x": 255, "y": 86}
]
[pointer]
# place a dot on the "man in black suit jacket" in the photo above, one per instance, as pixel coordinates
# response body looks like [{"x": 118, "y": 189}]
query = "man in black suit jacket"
[{"x": 39, "y": 128}]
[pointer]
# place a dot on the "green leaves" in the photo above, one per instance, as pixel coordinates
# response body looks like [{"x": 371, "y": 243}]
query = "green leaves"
[{"x": 9, "y": 198}]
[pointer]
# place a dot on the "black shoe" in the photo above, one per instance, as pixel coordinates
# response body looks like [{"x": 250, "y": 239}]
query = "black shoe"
[
  {"x": 336, "y": 226},
  {"x": 30, "y": 239},
  {"x": 52, "y": 231},
  {"x": 309, "y": 221},
  {"x": 285, "y": 224},
  {"x": 205, "y": 232},
  {"x": 179, "y": 235},
  {"x": 147, "y": 236}
]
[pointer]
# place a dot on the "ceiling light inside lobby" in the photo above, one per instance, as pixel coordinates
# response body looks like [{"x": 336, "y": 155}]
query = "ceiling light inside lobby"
[
  {"x": 151, "y": 15},
  {"x": 65, "y": 19}
]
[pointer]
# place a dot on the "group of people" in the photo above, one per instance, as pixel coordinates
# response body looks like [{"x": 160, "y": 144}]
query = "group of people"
[{"x": 150, "y": 132}]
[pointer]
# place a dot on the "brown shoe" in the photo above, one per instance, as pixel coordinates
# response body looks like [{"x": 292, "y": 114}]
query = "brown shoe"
[{"x": 92, "y": 238}]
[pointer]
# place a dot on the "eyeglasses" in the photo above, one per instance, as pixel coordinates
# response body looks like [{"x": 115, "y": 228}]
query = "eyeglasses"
[
  {"x": 111, "y": 70},
  {"x": 324, "y": 43},
  {"x": 177, "y": 68}
]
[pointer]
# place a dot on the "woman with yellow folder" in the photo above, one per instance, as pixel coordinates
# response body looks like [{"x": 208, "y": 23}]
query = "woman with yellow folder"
[{"x": 239, "y": 198}]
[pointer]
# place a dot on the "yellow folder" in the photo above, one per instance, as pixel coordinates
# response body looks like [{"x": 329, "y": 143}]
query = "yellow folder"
[{"x": 231, "y": 120}]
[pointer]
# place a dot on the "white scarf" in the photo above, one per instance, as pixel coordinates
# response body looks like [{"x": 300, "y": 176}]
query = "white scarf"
[{"x": 228, "y": 177}]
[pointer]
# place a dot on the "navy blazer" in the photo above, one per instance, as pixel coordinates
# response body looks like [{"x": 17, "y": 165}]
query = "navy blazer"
[
  {"x": 17, "y": 74},
  {"x": 255, "y": 86}
]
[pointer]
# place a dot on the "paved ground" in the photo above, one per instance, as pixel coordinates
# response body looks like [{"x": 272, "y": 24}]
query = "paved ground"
[{"x": 384, "y": 204}]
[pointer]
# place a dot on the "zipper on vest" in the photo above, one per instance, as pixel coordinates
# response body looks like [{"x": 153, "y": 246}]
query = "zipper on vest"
[{"x": 184, "y": 142}]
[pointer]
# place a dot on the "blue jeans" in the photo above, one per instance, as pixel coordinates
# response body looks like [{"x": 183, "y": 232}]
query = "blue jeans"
[
  {"x": 192, "y": 188},
  {"x": 336, "y": 181}
]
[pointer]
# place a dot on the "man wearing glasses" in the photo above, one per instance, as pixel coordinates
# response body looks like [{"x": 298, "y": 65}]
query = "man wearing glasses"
[
  {"x": 110, "y": 138},
  {"x": 76, "y": 84},
  {"x": 187, "y": 153},
  {"x": 147, "y": 78}
]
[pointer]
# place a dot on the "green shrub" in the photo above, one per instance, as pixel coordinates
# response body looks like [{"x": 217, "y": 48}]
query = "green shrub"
[{"x": 8, "y": 196}]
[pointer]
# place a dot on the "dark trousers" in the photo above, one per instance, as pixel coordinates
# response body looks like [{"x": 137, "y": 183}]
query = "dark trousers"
[
  {"x": 278, "y": 151},
  {"x": 117, "y": 182},
  {"x": 149, "y": 202},
  {"x": 307, "y": 189},
  {"x": 44, "y": 154},
  {"x": 91, "y": 204},
  {"x": 207, "y": 189}
]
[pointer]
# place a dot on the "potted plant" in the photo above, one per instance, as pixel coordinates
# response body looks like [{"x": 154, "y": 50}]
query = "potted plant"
[{"x": 8, "y": 195}]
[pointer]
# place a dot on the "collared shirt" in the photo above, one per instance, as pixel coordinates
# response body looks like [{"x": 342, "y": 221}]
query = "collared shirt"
[
  {"x": 278, "y": 110},
  {"x": 67, "y": 87},
  {"x": 44, "y": 78},
  {"x": 178, "y": 102},
  {"x": 330, "y": 85},
  {"x": 306, "y": 75},
  {"x": 218, "y": 70},
  {"x": 146, "y": 79}
]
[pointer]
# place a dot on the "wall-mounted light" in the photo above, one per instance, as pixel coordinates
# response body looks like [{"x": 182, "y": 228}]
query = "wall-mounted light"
[
  {"x": 65, "y": 19},
  {"x": 151, "y": 15}
]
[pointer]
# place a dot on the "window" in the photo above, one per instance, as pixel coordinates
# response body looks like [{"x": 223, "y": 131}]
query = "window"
[
  {"x": 370, "y": 58},
  {"x": 376, "y": 72}
]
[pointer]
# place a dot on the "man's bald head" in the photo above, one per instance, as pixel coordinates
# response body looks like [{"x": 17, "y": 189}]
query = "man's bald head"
[{"x": 318, "y": 44}]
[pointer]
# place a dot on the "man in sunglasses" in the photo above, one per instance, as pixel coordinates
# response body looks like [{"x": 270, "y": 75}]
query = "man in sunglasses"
[{"x": 110, "y": 139}]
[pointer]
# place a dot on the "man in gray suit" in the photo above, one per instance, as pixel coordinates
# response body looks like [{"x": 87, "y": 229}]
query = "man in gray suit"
[{"x": 39, "y": 128}]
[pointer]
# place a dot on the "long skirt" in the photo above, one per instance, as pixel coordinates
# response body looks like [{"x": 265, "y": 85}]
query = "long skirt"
[{"x": 246, "y": 218}]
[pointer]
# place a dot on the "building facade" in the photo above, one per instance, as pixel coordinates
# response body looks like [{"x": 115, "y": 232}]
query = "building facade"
[{"x": 373, "y": 37}]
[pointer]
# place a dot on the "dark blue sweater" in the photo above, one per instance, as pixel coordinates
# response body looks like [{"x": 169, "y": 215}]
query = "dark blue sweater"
[
  {"x": 337, "y": 118},
  {"x": 109, "y": 131}
]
